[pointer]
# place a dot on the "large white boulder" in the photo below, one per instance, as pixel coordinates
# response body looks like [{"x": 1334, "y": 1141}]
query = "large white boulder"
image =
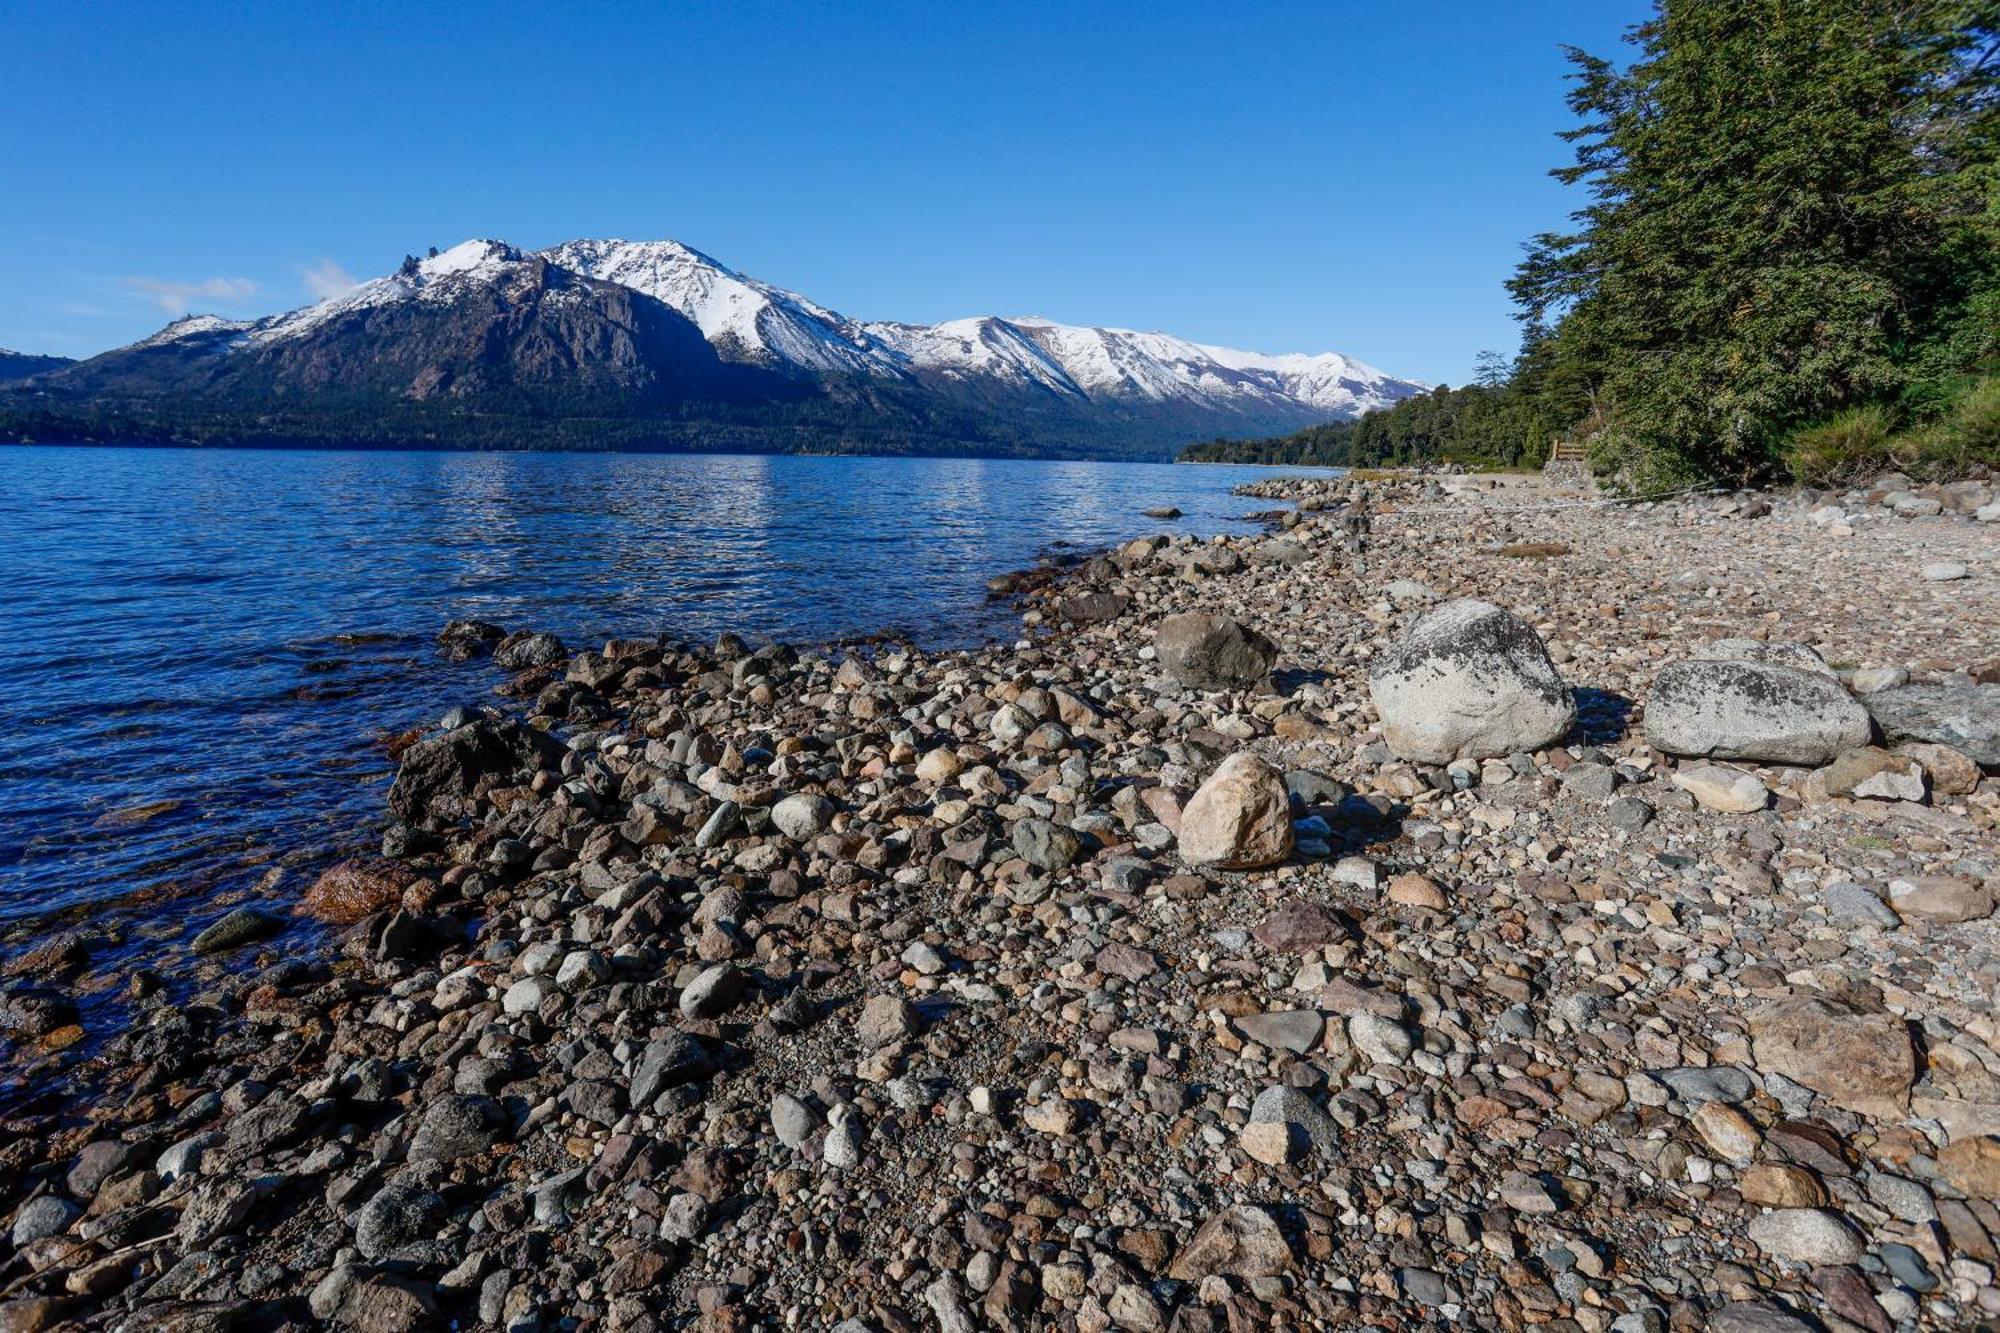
[
  {"x": 1757, "y": 711},
  {"x": 1469, "y": 681}
]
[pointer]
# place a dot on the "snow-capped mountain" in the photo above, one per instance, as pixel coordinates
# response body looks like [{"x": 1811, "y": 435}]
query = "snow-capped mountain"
[
  {"x": 745, "y": 320},
  {"x": 750, "y": 320},
  {"x": 660, "y": 340}
]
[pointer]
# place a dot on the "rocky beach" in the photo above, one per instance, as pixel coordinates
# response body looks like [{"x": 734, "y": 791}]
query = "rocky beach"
[{"x": 1465, "y": 904}]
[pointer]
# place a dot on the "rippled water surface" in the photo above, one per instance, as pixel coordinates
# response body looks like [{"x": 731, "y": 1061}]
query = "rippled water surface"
[{"x": 202, "y": 650}]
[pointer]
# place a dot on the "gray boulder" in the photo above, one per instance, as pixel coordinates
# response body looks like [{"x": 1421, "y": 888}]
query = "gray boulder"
[
  {"x": 669, "y": 1062},
  {"x": 401, "y": 1213},
  {"x": 1965, "y": 717},
  {"x": 1207, "y": 652},
  {"x": 43, "y": 1216},
  {"x": 1771, "y": 652},
  {"x": 456, "y": 1126},
  {"x": 1755, "y": 711},
  {"x": 1282, "y": 1105},
  {"x": 1046, "y": 845},
  {"x": 442, "y": 776},
  {"x": 1469, "y": 681}
]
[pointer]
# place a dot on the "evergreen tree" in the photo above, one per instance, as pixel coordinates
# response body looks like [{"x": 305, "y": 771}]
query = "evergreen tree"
[{"x": 1789, "y": 210}]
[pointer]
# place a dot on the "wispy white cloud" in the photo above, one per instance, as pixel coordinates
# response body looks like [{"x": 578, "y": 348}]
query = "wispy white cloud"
[
  {"x": 179, "y": 298},
  {"x": 324, "y": 279}
]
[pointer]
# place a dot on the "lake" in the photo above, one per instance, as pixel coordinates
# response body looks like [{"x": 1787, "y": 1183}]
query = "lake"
[{"x": 204, "y": 650}]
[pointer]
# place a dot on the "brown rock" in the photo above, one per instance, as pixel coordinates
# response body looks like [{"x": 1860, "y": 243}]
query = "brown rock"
[
  {"x": 1273, "y": 1143},
  {"x": 1861, "y": 1061},
  {"x": 1869, "y": 772},
  {"x": 1479, "y": 1112},
  {"x": 1240, "y": 1242},
  {"x": 1952, "y": 772},
  {"x": 31, "y": 1314},
  {"x": 639, "y": 1271},
  {"x": 1848, "y": 1295},
  {"x": 1973, "y": 1164},
  {"x": 1774, "y": 1186},
  {"x": 1300, "y": 928},
  {"x": 1240, "y": 819},
  {"x": 1416, "y": 891},
  {"x": 355, "y": 888},
  {"x": 1727, "y": 1133},
  {"x": 1943, "y": 898},
  {"x": 54, "y": 959},
  {"x": 1118, "y": 959}
]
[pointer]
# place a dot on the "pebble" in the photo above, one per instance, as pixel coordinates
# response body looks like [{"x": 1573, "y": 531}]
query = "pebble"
[
  {"x": 1806, "y": 1236},
  {"x": 1729, "y": 791}
]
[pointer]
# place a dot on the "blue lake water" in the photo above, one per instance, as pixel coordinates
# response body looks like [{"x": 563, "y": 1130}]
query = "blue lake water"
[{"x": 201, "y": 650}]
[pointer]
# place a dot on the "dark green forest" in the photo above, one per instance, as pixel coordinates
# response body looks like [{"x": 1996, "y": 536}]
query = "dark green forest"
[{"x": 1784, "y": 261}]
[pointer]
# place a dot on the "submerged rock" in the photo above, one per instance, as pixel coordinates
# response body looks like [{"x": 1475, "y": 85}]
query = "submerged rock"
[
  {"x": 245, "y": 925},
  {"x": 355, "y": 888}
]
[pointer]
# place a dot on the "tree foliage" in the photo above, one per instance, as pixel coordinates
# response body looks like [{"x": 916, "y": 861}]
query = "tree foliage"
[
  {"x": 1788, "y": 215},
  {"x": 1788, "y": 206}
]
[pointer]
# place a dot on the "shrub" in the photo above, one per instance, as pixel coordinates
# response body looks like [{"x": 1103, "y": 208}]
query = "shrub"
[
  {"x": 1965, "y": 437},
  {"x": 1847, "y": 448}
]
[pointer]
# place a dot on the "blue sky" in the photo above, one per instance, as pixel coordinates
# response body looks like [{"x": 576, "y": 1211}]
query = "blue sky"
[{"x": 1280, "y": 177}]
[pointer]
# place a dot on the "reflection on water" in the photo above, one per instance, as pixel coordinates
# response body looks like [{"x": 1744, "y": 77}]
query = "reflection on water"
[{"x": 214, "y": 641}]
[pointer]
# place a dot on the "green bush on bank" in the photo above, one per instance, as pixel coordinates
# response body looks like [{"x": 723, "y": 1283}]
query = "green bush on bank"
[{"x": 1959, "y": 434}]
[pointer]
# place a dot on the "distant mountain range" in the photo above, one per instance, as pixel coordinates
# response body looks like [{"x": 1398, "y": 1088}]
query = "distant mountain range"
[
  {"x": 650, "y": 344},
  {"x": 20, "y": 365}
]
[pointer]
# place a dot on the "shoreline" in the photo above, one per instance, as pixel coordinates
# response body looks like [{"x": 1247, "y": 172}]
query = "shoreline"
[
  {"x": 782, "y": 945},
  {"x": 363, "y": 447},
  {"x": 61, "y": 853}
]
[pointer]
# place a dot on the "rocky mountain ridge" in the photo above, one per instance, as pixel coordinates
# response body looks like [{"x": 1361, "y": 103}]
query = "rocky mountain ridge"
[{"x": 653, "y": 344}]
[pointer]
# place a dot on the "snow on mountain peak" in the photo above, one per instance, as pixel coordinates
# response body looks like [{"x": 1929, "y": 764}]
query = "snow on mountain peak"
[
  {"x": 474, "y": 258},
  {"x": 196, "y": 326},
  {"x": 436, "y": 277},
  {"x": 747, "y": 319}
]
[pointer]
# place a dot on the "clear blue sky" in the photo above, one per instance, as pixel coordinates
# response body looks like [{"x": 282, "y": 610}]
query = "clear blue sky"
[{"x": 1281, "y": 177}]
